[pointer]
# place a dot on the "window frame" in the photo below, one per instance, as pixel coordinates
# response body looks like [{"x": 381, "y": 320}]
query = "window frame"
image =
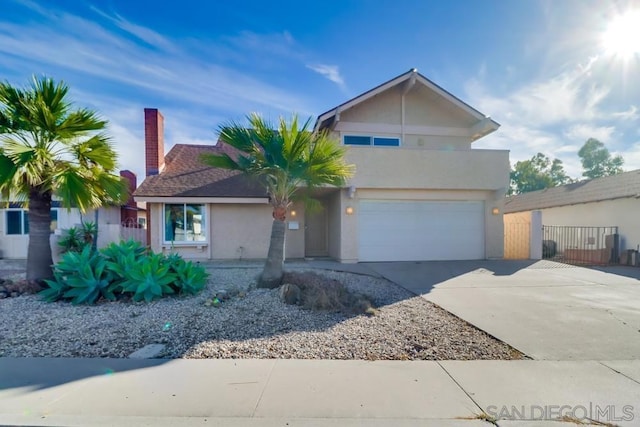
[
  {"x": 24, "y": 221},
  {"x": 372, "y": 140},
  {"x": 205, "y": 219}
]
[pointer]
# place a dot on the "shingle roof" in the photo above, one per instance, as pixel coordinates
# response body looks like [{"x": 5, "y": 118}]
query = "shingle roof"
[
  {"x": 185, "y": 176},
  {"x": 619, "y": 186}
]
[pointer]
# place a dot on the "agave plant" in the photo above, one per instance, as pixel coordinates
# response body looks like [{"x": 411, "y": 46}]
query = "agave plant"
[
  {"x": 191, "y": 278},
  {"x": 149, "y": 278},
  {"x": 82, "y": 277}
]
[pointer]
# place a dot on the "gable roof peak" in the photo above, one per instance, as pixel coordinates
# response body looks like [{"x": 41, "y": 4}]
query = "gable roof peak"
[{"x": 485, "y": 124}]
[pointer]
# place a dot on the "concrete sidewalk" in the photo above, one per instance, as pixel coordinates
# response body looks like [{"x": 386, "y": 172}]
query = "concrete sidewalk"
[{"x": 126, "y": 392}]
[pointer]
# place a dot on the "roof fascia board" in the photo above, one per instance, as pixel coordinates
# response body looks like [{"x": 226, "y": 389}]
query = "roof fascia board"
[{"x": 200, "y": 200}]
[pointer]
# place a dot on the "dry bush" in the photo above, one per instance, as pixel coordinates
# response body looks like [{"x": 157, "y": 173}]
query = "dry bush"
[
  {"x": 22, "y": 286},
  {"x": 318, "y": 292}
]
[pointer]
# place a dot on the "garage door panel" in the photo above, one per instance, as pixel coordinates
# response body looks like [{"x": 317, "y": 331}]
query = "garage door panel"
[{"x": 420, "y": 230}]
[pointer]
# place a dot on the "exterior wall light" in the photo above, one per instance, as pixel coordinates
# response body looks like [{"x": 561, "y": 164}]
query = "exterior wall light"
[
  {"x": 349, "y": 210},
  {"x": 294, "y": 213},
  {"x": 495, "y": 211}
]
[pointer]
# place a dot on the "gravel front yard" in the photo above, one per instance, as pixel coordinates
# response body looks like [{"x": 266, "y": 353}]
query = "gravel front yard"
[{"x": 256, "y": 325}]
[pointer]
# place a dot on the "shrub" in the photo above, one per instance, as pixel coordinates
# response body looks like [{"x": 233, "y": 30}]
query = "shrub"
[
  {"x": 75, "y": 239},
  {"x": 190, "y": 278},
  {"x": 120, "y": 270},
  {"x": 148, "y": 278},
  {"x": 125, "y": 248},
  {"x": 318, "y": 292},
  {"x": 80, "y": 277},
  {"x": 22, "y": 286}
]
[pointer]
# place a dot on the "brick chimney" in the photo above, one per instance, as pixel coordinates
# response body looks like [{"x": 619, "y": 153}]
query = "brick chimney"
[{"x": 153, "y": 141}]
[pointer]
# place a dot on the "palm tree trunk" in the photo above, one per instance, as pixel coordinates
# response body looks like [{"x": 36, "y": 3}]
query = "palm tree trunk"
[
  {"x": 271, "y": 276},
  {"x": 39, "y": 259}
]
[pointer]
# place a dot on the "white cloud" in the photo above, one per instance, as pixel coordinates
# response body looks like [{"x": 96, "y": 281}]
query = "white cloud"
[
  {"x": 331, "y": 72},
  {"x": 582, "y": 132},
  {"x": 630, "y": 114},
  {"x": 554, "y": 115},
  {"x": 280, "y": 44},
  {"x": 73, "y": 43},
  {"x": 194, "y": 94},
  {"x": 145, "y": 34}
]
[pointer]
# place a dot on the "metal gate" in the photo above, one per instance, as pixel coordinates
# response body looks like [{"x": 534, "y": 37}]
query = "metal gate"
[{"x": 581, "y": 245}]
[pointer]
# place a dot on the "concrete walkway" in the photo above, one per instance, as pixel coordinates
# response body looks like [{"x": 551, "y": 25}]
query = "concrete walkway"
[
  {"x": 86, "y": 392},
  {"x": 547, "y": 310}
]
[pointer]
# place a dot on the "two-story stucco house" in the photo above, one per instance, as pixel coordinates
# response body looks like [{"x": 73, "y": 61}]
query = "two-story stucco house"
[{"x": 420, "y": 191}]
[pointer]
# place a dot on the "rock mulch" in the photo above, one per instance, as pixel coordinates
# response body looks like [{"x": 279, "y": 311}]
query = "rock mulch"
[{"x": 232, "y": 319}]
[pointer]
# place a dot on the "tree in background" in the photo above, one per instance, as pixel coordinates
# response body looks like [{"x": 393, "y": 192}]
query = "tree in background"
[
  {"x": 537, "y": 173},
  {"x": 597, "y": 161},
  {"x": 48, "y": 148}
]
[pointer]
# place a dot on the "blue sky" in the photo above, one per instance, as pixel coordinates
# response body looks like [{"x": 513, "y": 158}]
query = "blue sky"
[{"x": 539, "y": 68}]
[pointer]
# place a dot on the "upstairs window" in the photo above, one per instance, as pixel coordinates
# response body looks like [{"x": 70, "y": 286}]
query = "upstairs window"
[{"x": 371, "y": 140}]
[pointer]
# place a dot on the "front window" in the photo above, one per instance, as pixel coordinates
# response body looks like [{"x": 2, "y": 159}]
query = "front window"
[
  {"x": 184, "y": 223},
  {"x": 17, "y": 221}
]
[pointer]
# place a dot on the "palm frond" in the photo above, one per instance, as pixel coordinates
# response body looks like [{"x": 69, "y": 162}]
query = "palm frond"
[
  {"x": 222, "y": 161},
  {"x": 286, "y": 158},
  {"x": 48, "y": 146},
  {"x": 95, "y": 151}
]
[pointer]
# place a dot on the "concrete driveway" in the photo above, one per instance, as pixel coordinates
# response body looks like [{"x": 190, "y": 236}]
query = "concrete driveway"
[{"x": 547, "y": 310}]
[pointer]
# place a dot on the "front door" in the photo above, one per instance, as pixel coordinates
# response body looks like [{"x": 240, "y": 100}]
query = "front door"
[{"x": 315, "y": 234}]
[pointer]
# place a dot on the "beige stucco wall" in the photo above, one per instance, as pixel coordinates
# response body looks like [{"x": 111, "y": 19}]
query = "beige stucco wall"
[
  {"x": 433, "y": 169},
  {"x": 382, "y": 108},
  {"x": 235, "y": 231},
  {"x": 425, "y": 107},
  {"x": 240, "y": 231},
  {"x": 294, "y": 243},
  {"x": 621, "y": 212},
  {"x": 494, "y": 241},
  {"x": 434, "y": 162},
  {"x": 334, "y": 220},
  {"x": 422, "y": 107},
  {"x": 436, "y": 142}
]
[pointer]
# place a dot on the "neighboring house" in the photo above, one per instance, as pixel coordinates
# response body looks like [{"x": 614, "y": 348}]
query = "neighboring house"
[
  {"x": 14, "y": 222},
  {"x": 601, "y": 202},
  {"x": 420, "y": 192}
]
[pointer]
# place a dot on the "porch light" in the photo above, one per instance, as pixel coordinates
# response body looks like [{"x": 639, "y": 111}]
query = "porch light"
[
  {"x": 495, "y": 211},
  {"x": 349, "y": 210},
  {"x": 293, "y": 213}
]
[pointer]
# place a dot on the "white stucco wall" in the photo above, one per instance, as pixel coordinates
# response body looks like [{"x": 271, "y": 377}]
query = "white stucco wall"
[{"x": 621, "y": 212}]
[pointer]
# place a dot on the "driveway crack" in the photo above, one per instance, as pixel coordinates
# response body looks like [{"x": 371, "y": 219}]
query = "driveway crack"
[
  {"x": 266, "y": 384},
  {"x": 482, "y": 415},
  {"x": 618, "y": 372}
]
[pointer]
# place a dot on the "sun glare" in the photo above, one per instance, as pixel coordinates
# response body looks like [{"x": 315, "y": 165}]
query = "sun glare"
[{"x": 622, "y": 37}]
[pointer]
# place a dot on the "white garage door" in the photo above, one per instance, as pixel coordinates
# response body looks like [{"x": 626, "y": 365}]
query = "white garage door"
[{"x": 417, "y": 230}]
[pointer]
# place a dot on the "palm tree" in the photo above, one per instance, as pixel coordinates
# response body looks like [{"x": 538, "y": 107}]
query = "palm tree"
[
  {"x": 49, "y": 148},
  {"x": 287, "y": 160}
]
